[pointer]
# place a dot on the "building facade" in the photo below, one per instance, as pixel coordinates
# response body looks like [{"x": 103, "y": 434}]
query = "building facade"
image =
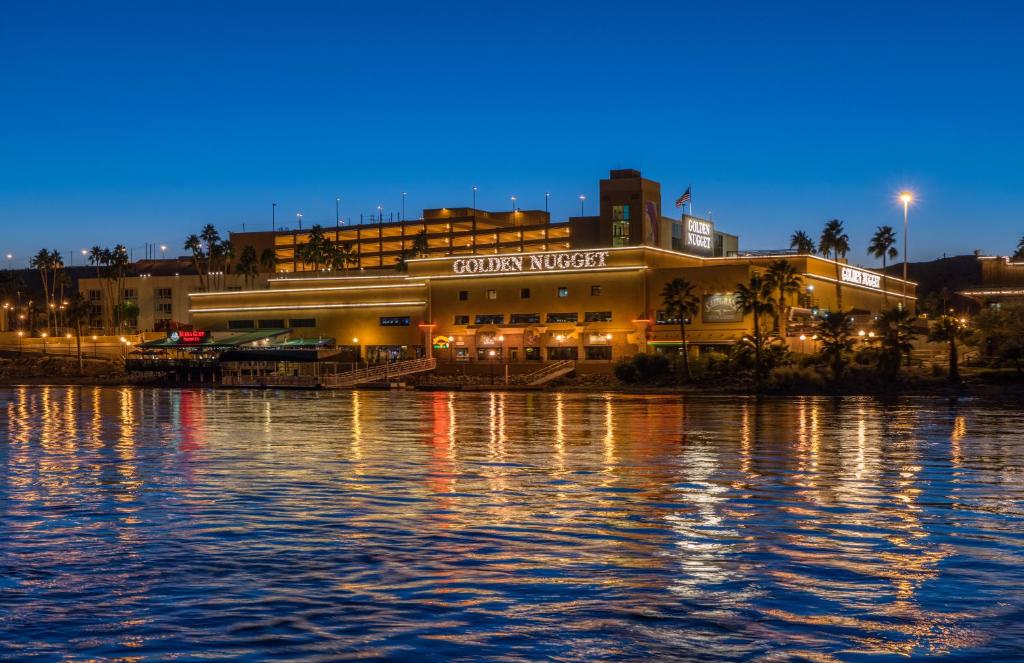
[{"x": 1002, "y": 282}]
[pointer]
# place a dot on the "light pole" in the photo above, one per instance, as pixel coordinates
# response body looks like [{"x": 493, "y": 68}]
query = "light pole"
[
  {"x": 474, "y": 202},
  {"x": 273, "y": 217},
  {"x": 337, "y": 211},
  {"x": 403, "y": 207},
  {"x": 513, "y": 199},
  {"x": 582, "y": 198},
  {"x": 298, "y": 218},
  {"x": 163, "y": 250},
  {"x": 546, "y": 197},
  {"x": 906, "y": 198},
  {"x": 9, "y": 258},
  {"x": 44, "y": 335},
  {"x": 491, "y": 354},
  {"x": 21, "y": 335}
]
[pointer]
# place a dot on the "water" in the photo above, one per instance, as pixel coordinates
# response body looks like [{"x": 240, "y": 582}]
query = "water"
[{"x": 151, "y": 524}]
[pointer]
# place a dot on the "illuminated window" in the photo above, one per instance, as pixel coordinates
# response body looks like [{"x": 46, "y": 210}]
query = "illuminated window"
[
  {"x": 563, "y": 292},
  {"x": 563, "y": 317},
  {"x": 492, "y": 294},
  {"x": 392, "y": 321},
  {"x": 597, "y": 316},
  {"x": 525, "y": 318},
  {"x": 620, "y": 225},
  {"x": 490, "y": 319}
]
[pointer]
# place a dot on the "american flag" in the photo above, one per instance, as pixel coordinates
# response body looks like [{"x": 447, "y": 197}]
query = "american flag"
[{"x": 683, "y": 199}]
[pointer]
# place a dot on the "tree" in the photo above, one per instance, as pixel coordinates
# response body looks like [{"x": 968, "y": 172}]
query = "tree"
[
  {"x": 786, "y": 281},
  {"x": 755, "y": 298},
  {"x": 1019, "y": 253},
  {"x": 268, "y": 260},
  {"x": 195, "y": 245},
  {"x": 317, "y": 250},
  {"x": 401, "y": 262},
  {"x": 248, "y": 265},
  {"x": 999, "y": 334},
  {"x": 420, "y": 245},
  {"x": 118, "y": 265},
  {"x": 346, "y": 255},
  {"x": 835, "y": 334},
  {"x": 802, "y": 243},
  {"x": 79, "y": 311},
  {"x": 835, "y": 242},
  {"x": 894, "y": 329},
  {"x": 680, "y": 303},
  {"x": 42, "y": 261},
  {"x": 883, "y": 245},
  {"x": 949, "y": 329},
  {"x": 211, "y": 237}
]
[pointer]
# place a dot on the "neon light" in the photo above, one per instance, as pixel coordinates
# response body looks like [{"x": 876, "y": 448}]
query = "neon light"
[
  {"x": 862, "y": 287},
  {"x": 302, "y": 307},
  {"x": 524, "y": 274},
  {"x": 333, "y": 288}
]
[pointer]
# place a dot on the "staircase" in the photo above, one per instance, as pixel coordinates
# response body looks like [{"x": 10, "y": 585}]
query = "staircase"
[
  {"x": 549, "y": 373},
  {"x": 378, "y": 372}
]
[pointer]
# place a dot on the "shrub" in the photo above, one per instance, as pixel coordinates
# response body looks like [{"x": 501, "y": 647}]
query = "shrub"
[{"x": 644, "y": 369}]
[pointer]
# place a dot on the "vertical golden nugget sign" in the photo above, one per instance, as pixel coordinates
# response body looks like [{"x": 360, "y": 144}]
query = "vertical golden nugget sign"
[{"x": 548, "y": 262}]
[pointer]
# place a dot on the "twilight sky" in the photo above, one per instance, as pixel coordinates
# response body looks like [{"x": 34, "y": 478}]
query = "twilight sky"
[{"x": 140, "y": 122}]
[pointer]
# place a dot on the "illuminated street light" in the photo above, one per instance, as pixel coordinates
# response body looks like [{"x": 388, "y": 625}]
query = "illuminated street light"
[
  {"x": 582, "y": 198},
  {"x": 906, "y": 197}
]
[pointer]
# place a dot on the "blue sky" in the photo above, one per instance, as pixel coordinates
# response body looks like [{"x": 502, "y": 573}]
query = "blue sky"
[{"x": 140, "y": 122}]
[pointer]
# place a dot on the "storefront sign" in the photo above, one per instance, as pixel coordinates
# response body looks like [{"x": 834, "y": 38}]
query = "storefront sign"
[
  {"x": 860, "y": 277},
  {"x": 189, "y": 337},
  {"x": 442, "y": 342},
  {"x": 545, "y": 262},
  {"x": 698, "y": 236},
  {"x": 720, "y": 308}
]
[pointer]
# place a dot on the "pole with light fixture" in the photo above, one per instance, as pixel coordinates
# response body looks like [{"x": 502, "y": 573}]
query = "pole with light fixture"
[
  {"x": 582, "y": 199},
  {"x": 906, "y": 198}
]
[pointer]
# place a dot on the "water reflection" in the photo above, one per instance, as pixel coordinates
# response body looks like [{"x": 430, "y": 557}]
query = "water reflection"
[{"x": 179, "y": 523}]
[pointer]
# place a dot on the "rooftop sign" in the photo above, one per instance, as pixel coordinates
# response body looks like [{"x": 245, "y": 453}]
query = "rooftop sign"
[
  {"x": 541, "y": 262},
  {"x": 698, "y": 236},
  {"x": 860, "y": 277}
]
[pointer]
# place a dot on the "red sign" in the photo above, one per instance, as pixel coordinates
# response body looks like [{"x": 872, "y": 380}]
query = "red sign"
[{"x": 189, "y": 337}]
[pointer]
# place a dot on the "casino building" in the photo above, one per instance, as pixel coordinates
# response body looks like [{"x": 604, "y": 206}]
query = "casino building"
[{"x": 495, "y": 286}]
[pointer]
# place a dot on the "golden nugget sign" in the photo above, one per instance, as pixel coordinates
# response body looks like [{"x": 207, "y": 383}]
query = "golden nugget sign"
[
  {"x": 546, "y": 262},
  {"x": 859, "y": 277}
]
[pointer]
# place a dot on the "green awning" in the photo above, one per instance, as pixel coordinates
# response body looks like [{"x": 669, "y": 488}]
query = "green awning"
[{"x": 233, "y": 341}]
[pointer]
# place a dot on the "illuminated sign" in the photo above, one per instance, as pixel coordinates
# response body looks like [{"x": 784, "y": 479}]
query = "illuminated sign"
[
  {"x": 698, "y": 235},
  {"x": 545, "y": 262},
  {"x": 442, "y": 342},
  {"x": 720, "y": 308},
  {"x": 188, "y": 337},
  {"x": 860, "y": 277}
]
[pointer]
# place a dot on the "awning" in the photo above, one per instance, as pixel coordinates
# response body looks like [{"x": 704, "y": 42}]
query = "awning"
[{"x": 233, "y": 341}]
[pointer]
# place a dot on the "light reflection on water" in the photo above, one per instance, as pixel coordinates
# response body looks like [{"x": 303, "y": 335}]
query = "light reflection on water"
[{"x": 157, "y": 523}]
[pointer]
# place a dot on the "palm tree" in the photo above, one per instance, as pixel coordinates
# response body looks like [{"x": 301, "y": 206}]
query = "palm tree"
[
  {"x": 1019, "y": 253},
  {"x": 211, "y": 237},
  {"x": 268, "y": 260},
  {"x": 420, "y": 245},
  {"x": 949, "y": 329},
  {"x": 836, "y": 242},
  {"x": 756, "y": 297},
  {"x": 883, "y": 245},
  {"x": 317, "y": 250},
  {"x": 195, "y": 245},
  {"x": 119, "y": 262},
  {"x": 835, "y": 334},
  {"x": 895, "y": 331},
  {"x": 680, "y": 303},
  {"x": 44, "y": 261},
  {"x": 786, "y": 281},
  {"x": 347, "y": 255},
  {"x": 79, "y": 310},
  {"x": 401, "y": 264},
  {"x": 248, "y": 265},
  {"x": 801, "y": 242}
]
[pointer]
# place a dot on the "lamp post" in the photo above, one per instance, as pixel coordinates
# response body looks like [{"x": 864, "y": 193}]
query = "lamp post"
[
  {"x": 403, "y": 207},
  {"x": 547, "y": 196},
  {"x": 491, "y": 354},
  {"x": 582, "y": 198},
  {"x": 163, "y": 250},
  {"x": 474, "y": 201},
  {"x": 906, "y": 198},
  {"x": 803, "y": 350},
  {"x": 273, "y": 217},
  {"x": 298, "y": 218},
  {"x": 21, "y": 335},
  {"x": 337, "y": 211},
  {"x": 44, "y": 335},
  {"x": 9, "y": 258},
  {"x": 94, "y": 353}
]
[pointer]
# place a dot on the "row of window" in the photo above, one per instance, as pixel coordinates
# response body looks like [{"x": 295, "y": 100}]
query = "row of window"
[
  {"x": 596, "y": 352},
  {"x": 271, "y": 324},
  {"x": 524, "y": 293},
  {"x": 533, "y": 318},
  {"x": 132, "y": 294}
]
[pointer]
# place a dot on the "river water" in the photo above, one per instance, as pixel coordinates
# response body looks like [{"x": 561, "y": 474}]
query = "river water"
[{"x": 151, "y": 524}]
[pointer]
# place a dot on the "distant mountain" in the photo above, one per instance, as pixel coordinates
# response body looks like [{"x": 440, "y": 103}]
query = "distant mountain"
[{"x": 950, "y": 274}]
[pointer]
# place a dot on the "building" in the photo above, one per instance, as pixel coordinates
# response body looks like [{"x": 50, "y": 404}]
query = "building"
[
  {"x": 1002, "y": 282},
  {"x": 630, "y": 215},
  {"x": 158, "y": 290},
  {"x": 594, "y": 295}
]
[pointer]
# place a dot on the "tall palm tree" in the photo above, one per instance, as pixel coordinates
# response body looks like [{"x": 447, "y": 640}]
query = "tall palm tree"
[
  {"x": 883, "y": 245},
  {"x": 42, "y": 262},
  {"x": 79, "y": 311},
  {"x": 835, "y": 242},
  {"x": 786, "y": 281},
  {"x": 268, "y": 260},
  {"x": 347, "y": 255},
  {"x": 949, "y": 329},
  {"x": 835, "y": 334},
  {"x": 211, "y": 237},
  {"x": 801, "y": 242},
  {"x": 195, "y": 245},
  {"x": 248, "y": 265},
  {"x": 755, "y": 298},
  {"x": 1019, "y": 253},
  {"x": 680, "y": 303}
]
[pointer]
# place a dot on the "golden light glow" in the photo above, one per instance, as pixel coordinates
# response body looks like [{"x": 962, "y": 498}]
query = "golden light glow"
[{"x": 906, "y": 197}]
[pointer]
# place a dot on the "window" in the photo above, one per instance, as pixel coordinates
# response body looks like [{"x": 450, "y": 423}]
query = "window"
[
  {"x": 392, "y": 321},
  {"x": 302, "y": 322},
  {"x": 563, "y": 317},
  {"x": 525, "y": 318},
  {"x": 571, "y": 352},
  {"x": 163, "y": 308},
  {"x": 595, "y": 291},
  {"x": 563, "y": 292},
  {"x": 492, "y": 294},
  {"x": 620, "y": 225},
  {"x": 532, "y": 354},
  {"x": 241, "y": 324},
  {"x": 599, "y": 352},
  {"x": 270, "y": 324},
  {"x": 462, "y": 319},
  {"x": 490, "y": 319},
  {"x": 524, "y": 293},
  {"x": 95, "y": 295},
  {"x": 131, "y": 294},
  {"x": 163, "y": 293},
  {"x": 463, "y": 295},
  {"x": 597, "y": 316},
  {"x": 677, "y": 236},
  {"x": 662, "y": 318}
]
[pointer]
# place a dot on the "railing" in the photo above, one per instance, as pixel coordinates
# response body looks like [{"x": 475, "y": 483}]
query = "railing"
[
  {"x": 378, "y": 372},
  {"x": 550, "y": 372},
  {"x": 234, "y": 380}
]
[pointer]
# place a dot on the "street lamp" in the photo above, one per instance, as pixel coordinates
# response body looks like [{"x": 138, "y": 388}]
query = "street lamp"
[
  {"x": 44, "y": 335},
  {"x": 546, "y": 197},
  {"x": 582, "y": 198},
  {"x": 803, "y": 337},
  {"x": 474, "y": 198},
  {"x": 491, "y": 354},
  {"x": 163, "y": 249},
  {"x": 337, "y": 210},
  {"x": 403, "y": 207},
  {"x": 906, "y": 198},
  {"x": 21, "y": 335},
  {"x": 298, "y": 219},
  {"x": 9, "y": 258}
]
